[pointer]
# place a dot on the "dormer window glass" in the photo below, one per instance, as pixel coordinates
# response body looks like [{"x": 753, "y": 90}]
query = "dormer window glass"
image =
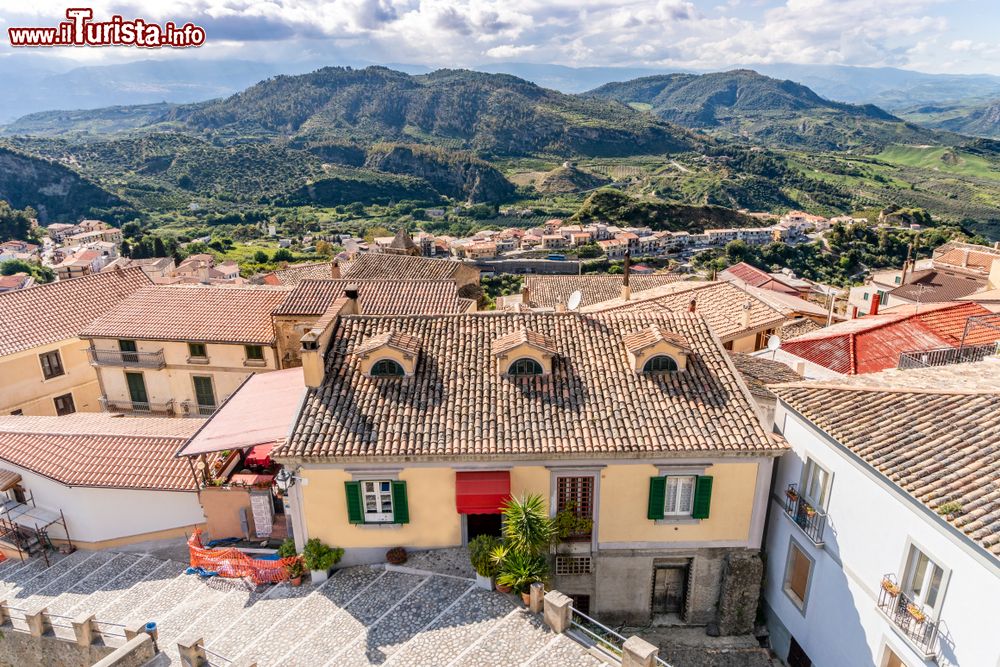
[
  {"x": 387, "y": 368},
  {"x": 525, "y": 366},
  {"x": 661, "y": 363}
]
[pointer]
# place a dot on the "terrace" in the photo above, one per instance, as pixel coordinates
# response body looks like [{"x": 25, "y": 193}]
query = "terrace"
[{"x": 126, "y": 359}]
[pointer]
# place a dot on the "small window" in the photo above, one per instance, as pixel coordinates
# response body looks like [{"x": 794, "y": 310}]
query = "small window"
[
  {"x": 679, "y": 500},
  {"x": 377, "y": 497},
  {"x": 51, "y": 365},
  {"x": 866, "y": 296},
  {"x": 64, "y": 404},
  {"x": 254, "y": 352},
  {"x": 17, "y": 412},
  {"x": 891, "y": 659},
  {"x": 898, "y": 280},
  {"x": 525, "y": 366},
  {"x": 815, "y": 484},
  {"x": 129, "y": 351},
  {"x": 198, "y": 351},
  {"x": 387, "y": 368},
  {"x": 923, "y": 579},
  {"x": 797, "y": 575},
  {"x": 661, "y": 363}
]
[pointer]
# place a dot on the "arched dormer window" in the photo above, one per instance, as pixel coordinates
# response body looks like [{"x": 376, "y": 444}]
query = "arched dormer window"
[
  {"x": 661, "y": 363},
  {"x": 525, "y": 366},
  {"x": 387, "y": 368}
]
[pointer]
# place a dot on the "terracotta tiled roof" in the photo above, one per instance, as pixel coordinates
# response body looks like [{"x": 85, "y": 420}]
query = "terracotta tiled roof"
[
  {"x": 521, "y": 336},
  {"x": 874, "y": 342},
  {"x": 49, "y": 313},
  {"x": 937, "y": 436},
  {"x": 294, "y": 275},
  {"x": 402, "y": 241},
  {"x": 100, "y": 450},
  {"x": 933, "y": 286},
  {"x": 377, "y": 297},
  {"x": 651, "y": 335},
  {"x": 798, "y": 327},
  {"x": 458, "y": 404},
  {"x": 553, "y": 291},
  {"x": 400, "y": 341},
  {"x": 383, "y": 266},
  {"x": 748, "y": 274},
  {"x": 722, "y": 303},
  {"x": 977, "y": 260},
  {"x": 217, "y": 313},
  {"x": 758, "y": 372}
]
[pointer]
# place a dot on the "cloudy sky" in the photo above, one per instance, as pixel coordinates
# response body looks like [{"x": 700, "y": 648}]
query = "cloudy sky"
[{"x": 927, "y": 35}]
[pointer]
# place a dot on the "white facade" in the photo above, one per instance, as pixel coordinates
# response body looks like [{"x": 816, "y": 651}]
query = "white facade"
[
  {"x": 871, "y": 530},
  {"x": 102, "y": 514}
]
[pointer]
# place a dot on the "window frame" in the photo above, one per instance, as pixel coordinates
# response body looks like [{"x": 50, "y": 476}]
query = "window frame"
[
  {"x": 211, "y": 385},
  {"x": 512, "y": 368},
  {"x": 249, "y": 357},
  {"x": 48, "y": 371},
  {"x": 679, "y": 513},
  {"x": 193, "y": 355},
  {"x": 803, "y": 603},
  {"x": 659, "y": 371},
  {"x": 381, "y": 515},
  {"x": 909, "y": 570},
  {"x": 385, "y": 362},
  {"x": 72, "y": 404},
  {"x": 812, "y": 464}
]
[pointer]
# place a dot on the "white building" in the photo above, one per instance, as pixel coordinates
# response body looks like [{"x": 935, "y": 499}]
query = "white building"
[{"x": 886, "y": 551}]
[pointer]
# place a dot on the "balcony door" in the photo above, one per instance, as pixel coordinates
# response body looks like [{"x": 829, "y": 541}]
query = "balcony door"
[
  {"x": 129, "y": 351},
  {"x": 575, "y": 495},
  {"x": 203, "y": 392},
  {"x": 923, "y": 580},
  {"x": 137, "y": 391}
]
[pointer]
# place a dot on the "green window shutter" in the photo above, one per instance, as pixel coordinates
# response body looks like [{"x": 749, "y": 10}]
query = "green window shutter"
[
  {"x": 657, "y": 496},
  {"x": 702, "y": 497},
  {"x": 400, "y": 508},
  {"x": 355, "y": 506}
]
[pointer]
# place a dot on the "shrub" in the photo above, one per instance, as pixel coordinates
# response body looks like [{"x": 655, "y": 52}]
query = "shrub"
[
  {"x": 527, "y": 526},
  {"x": 319, "y": 556},
  {"x": 396, "y": 555},
  {"x": 295, "y": 568},
  {"x": 287, "y": 548},
  {"x": 519, "y": 570},
  {"x": 481, "y": 555}
]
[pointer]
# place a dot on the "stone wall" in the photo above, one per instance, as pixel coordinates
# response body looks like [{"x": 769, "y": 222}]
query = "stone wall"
[
  {"x": 740, "y": 593},
  {"x": 20, "y": 649}
]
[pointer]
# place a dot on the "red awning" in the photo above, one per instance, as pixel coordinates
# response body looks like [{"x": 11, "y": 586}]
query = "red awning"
[
  {"x": 481, "y": 492},
  {"x": 260, "y": 455}
]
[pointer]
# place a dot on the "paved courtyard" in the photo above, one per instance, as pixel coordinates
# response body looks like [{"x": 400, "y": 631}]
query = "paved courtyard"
[{"x": 365, "y": 615}]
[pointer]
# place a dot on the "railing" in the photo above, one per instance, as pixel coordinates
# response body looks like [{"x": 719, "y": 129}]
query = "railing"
[
  {"x": 137, "y": 408},
  {"x": 811, "y": 520},
  {"x": 126, "y": 359},
  {"x": 215, "y": 658},
  {"x": 947, "y": 355},
  {"x": 192, "y": 409},
  {"x": 606, "y": 638},
  {"x": 908, "y": 616}
]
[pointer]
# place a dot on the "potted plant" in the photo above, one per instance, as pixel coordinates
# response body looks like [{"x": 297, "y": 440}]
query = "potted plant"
[
  {"x": 568, "y": 524},
  {"x": 396, "y": 555},
  {"x": 295, "y": 570},
  {"x": 519, "y": 570},
  {"x": 480, "y": 555},
  {"x": 527, "y": 527},
  {"x": 287, "y": 548},
  {"x": 890, "y": 587},
  {"x": 319, "y": 558},
  {"x": 916, "y": 612},
  {"x": 791, "y": 493}
]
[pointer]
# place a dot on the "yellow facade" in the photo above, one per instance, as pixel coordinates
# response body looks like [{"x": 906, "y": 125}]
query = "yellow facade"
[
  {"x": 23, "y": 387},
  {"x": 621, "y": 513}
]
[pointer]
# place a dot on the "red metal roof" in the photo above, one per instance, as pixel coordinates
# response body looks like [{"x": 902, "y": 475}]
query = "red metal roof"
[{"x": 874, "y": 343}]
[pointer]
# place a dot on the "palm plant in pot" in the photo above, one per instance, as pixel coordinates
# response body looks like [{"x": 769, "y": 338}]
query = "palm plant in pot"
[
  {"x": 519, "y": 570},
  {"x": 522, "y": 558},
  {"x": 481, "y": 556},
  {"x": 319, "y": 558}
]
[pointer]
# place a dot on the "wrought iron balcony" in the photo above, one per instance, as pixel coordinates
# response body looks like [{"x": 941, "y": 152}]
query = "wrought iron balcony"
[
  {"x": 946, "y": 356},
  {"x": 126, "y": 359},
  {"x": 909, "y": 617},
  {"x": 809, "y": 519},
  {"x": 192, "y": 409},
  {"x": 138, "y": 408}
]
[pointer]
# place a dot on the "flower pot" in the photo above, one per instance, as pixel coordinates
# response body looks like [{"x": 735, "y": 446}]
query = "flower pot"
[
  {"x": 296, "y": 581},
  {"x": 484, "y": 582},
  {"x": 319, "y": 576},
  {"x": 503, "y": 589},
  {"x": 526, "y": 598}
]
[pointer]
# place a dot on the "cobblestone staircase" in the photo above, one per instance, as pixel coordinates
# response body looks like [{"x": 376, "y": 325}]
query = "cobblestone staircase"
[{"x": 360, "y": 616}]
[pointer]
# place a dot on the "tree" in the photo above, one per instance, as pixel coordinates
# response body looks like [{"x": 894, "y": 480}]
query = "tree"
[
  {"x": 126, "y": 249},
  {"x": 159, "y": 250},
  {"x": 589, "y": 251},
  {"x": 282, "y": 255},
  {"x": 260, "y": 257},
  {"x": 14, "y": 224},
  {"x": 41, "y": 274},
  {"x": 324, "y": 248}
]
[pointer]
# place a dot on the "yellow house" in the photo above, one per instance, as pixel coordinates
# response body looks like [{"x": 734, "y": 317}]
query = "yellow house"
[
  {"x": 180, "y": 350},
  {"x": 415, "y": 429},
  {"x": 44, "y": 369}
]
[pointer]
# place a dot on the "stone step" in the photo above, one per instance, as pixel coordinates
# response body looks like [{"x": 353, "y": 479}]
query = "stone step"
[
  {"x": 122, "y": 608},
  {"x": 475, "y": 614},
  {"x": 95, "y": 580},
  {"x": 117, "y": 586},
  {"x": 59, "y": 577},
  {"x": 31, "y": 569},
  {"x": 563, "y": 651},
  {"x": 255, "y": 621},
  {"x": 191, "y": 602},
  {"x": 167, "y": 596},
  {"x": 321, "y": 603},
  {"x": 401, "y": 623},
  {"x": 213, "y": 622},
  {"x": 515, "y": 640}
]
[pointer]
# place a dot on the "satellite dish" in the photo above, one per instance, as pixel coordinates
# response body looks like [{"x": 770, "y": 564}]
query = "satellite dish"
[
  {"x": 574, "y": 300},
  {"x": 773, "y": 342}
]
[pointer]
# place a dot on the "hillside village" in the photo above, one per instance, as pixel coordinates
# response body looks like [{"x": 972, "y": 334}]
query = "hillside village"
[{"x": 715, "y": 461}]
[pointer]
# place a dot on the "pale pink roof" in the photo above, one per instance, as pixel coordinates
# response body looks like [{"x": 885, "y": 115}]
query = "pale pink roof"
[{"x": 259, "y": 412}]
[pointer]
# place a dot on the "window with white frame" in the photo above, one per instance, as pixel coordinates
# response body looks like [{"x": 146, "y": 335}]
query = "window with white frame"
[
  {"x": 378, "y": 500},
  {"x": 815, "y": 484},
  {"x": 923, "y": 579},
  {"x": 679, "y": 499},
  {"x": 798, "y": 572}
]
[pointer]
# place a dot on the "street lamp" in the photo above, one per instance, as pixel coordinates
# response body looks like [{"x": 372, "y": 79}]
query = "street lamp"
[{"x": 284, "y": 479}]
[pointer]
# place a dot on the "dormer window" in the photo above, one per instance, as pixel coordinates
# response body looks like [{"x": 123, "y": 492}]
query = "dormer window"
[
  {"x": 389, "y": 354},
  {"x": 524, "y": 353},
  {"x": 661, "y": 363},
  {"x": 525, "y": 366},
  {"x": 387, "y": 368},
  {"x": 654, "y": 350}
]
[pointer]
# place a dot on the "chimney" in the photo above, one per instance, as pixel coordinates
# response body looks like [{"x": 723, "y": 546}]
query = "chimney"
[
  {"x": 335, "y": 270},
  {"x": 626, "y": 290},
  {"x": 906, "y": 264},
  {"x": 524, "y": 293},
  {"x": 800, "y": 368},
  {"x": 965, "y": 258},
  {"x": 746, "y": 314},
  {"x": 875, "y": 301},
  {"x": 204, "y": 273},
  {"x": 854, "y": 312},
  {"x": 693, "y": 305},
  {"x": 353, "y": 306}
]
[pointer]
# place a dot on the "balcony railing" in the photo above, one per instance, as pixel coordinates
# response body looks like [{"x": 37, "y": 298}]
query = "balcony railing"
[
  {"x": 126, "y": 359},
  {"x": 808, "y": 518},
  {"x": 908, "y": 616},
  {"x": 192, "y": 409},
  {"x": 595, "y": 633},
  {"x": 138, "y": 408},
  {"x": 946, "y": 356}
]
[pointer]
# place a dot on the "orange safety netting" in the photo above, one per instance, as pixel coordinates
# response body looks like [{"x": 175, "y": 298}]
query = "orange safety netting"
[{"x": 235, "y": 564}]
